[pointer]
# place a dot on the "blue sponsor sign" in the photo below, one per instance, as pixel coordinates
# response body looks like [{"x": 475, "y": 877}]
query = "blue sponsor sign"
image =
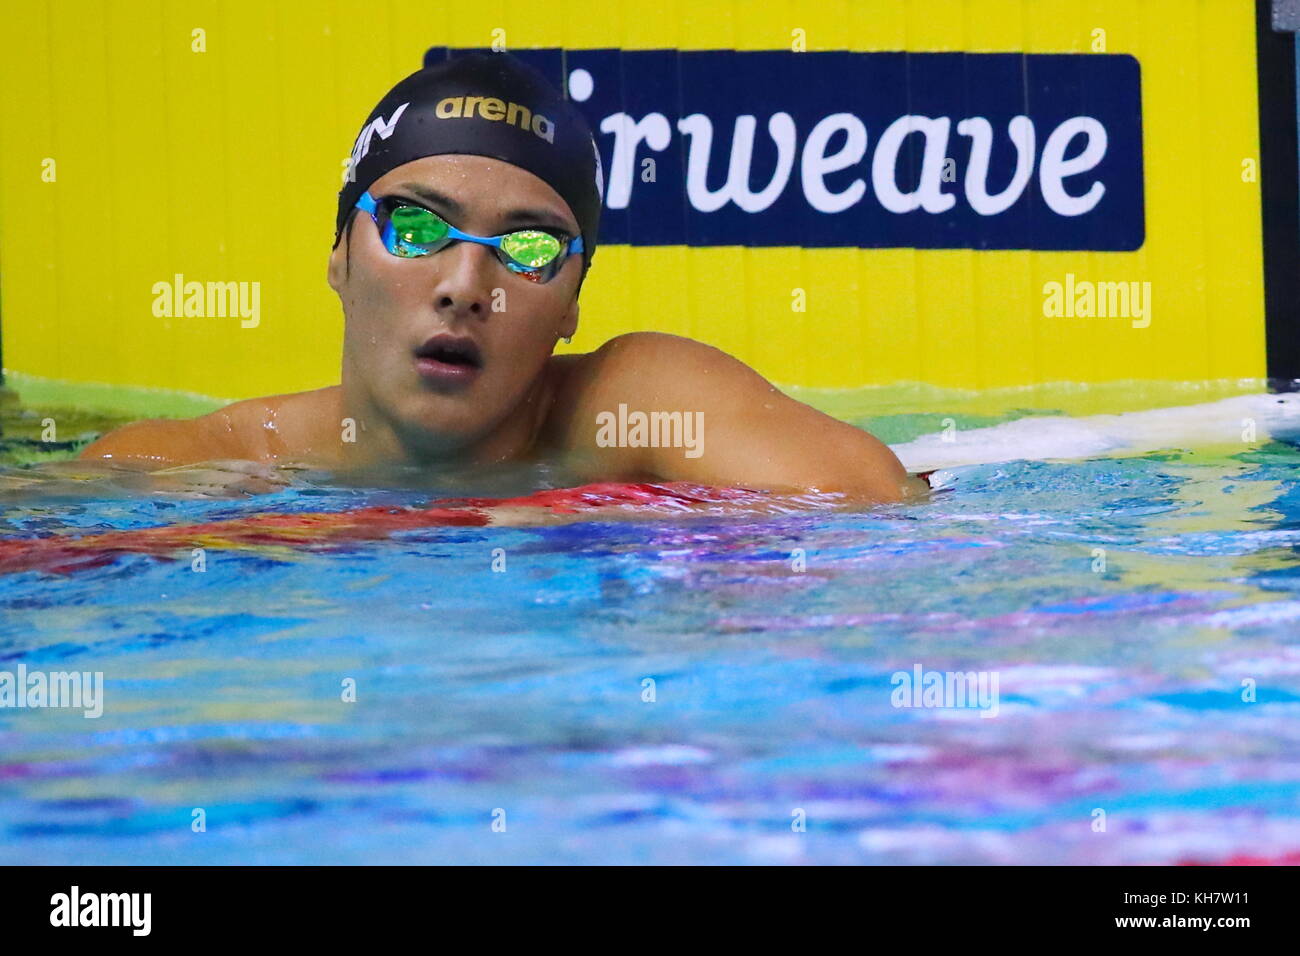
[{"x": 874, "y": 150}]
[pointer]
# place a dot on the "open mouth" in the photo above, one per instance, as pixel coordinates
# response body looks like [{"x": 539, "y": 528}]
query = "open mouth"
[{"x": 449, "y": 354}]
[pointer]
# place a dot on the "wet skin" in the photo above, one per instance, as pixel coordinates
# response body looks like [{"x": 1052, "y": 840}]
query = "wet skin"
[{"x": 522, "y": 403}]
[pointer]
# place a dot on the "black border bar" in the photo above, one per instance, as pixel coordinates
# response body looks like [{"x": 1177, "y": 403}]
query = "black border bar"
[
  {"x": 332, "y": 907},
  {"x": 1279, "y": 178}
]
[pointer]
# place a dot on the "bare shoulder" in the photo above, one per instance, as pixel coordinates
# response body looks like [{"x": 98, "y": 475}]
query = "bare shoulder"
[
  {"x": 656, "y": 367},
  {"x": 656, "y": 354},
  {"x": 747, "y": 432},
  {"x": 229, "y": 433}
]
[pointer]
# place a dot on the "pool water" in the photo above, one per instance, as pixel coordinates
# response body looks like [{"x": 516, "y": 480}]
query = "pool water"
[{"x": 685, "y": 690}]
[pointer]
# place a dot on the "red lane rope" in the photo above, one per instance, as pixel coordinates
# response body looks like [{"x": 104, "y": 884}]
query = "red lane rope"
[{"x": 62, "y": 554}]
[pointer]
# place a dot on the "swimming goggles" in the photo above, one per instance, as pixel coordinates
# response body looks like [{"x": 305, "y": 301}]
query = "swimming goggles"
[{"x": 410, "y": 231}]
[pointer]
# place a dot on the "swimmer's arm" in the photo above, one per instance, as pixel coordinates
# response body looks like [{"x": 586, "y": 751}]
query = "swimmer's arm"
[
  {"x": 146, "y": 445},
  {"x": 204, "y": 457},
  {"x": 163, "y": 443},
  {"x": 753, "y": 435}
]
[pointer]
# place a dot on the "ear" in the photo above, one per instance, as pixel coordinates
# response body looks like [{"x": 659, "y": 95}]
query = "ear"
[
  {"x": 569, "y": 321},
  {"x": 569, "y": 324},
  {"x": 335, "y": 273}
]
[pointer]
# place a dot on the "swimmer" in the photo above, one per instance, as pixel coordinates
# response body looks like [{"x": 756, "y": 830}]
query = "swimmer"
[{"x": 463, "y": 235}]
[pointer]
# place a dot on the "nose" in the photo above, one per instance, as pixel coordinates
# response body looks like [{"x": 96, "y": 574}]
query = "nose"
[{"x": 465, "y": 279}]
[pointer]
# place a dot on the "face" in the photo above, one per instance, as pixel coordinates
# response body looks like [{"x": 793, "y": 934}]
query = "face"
[{"x": 410, "y": 322}]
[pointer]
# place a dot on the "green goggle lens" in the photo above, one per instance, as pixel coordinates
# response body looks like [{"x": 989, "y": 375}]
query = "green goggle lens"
[
  {"x": 413, "y": 232},
  {"x": 531, "y": 248},
  {"x": 418, "y": 226}
]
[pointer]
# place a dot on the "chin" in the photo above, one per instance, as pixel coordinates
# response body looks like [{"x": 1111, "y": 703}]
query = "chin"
[{"x": 454, "y": 421}]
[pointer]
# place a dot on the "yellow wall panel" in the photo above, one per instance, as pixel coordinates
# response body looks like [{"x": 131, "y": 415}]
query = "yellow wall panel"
[{"x": 224, "y": 165}]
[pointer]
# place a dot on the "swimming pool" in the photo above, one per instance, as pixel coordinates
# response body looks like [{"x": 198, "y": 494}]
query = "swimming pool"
[{"x": 686, "y": 690}]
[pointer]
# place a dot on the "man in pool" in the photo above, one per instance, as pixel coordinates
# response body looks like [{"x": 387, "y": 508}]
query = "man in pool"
[{"x": 464, "y": 232}]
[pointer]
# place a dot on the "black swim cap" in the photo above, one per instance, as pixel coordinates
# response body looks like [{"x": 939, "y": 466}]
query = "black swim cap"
[{"x": 484, "y": 104}]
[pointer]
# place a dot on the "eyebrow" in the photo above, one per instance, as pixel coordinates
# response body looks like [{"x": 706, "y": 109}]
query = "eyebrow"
[{"x": 546, "y": 219}]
